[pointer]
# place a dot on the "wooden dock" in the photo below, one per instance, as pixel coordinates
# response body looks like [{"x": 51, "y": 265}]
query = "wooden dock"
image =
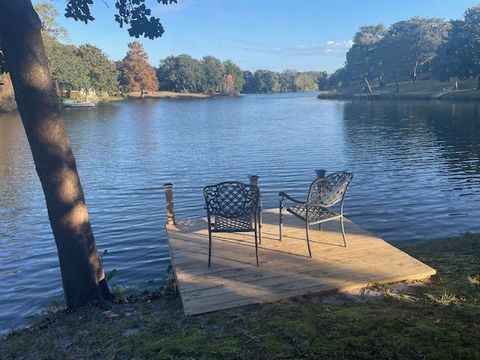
[{"x": 285, "y": 269}]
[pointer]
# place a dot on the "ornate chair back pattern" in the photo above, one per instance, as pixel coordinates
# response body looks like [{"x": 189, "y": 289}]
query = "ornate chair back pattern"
[
  {"x": 233, "y": 204},
  {"x": 235, "y": 207},
  {"x": 330, "y": 190},
  {"x": 324, "y": 192}
]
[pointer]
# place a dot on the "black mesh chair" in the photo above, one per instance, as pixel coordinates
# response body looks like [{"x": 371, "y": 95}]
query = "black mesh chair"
[
  {"x": 232, "y": 207},
  {"x": 324, "y": 193}
]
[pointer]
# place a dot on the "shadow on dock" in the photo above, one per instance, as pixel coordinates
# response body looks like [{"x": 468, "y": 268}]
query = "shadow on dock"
[{"x": 285, "y": 269}]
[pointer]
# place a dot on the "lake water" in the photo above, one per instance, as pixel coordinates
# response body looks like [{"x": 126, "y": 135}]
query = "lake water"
[{"x": 416, "y": 166}]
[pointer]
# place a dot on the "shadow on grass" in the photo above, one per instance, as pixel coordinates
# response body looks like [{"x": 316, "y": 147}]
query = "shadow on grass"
[{"x": 438, "y": 320}]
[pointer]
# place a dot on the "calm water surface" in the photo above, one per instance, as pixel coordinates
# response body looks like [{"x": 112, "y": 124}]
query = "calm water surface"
[{"x": 416, "y": 168}]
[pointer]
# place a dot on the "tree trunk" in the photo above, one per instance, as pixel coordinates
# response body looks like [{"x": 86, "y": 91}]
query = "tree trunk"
[
  {"x": 82, "y": 273},
  {"x": 478, "y": 82},
  {"x": 414, "y": 71},
  {"x": 369, "y": 88},
  {"x": 397, "y": 87}
]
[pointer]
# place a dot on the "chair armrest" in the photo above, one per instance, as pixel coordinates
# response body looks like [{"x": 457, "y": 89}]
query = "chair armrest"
[{"x": 285, "y": 195}]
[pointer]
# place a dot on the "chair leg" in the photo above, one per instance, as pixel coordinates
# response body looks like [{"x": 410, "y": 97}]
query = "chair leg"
[
  {"x": 256, "y": 245},
  {"x": 280, "y": 222},
  {"x": 209, "y": 248},
  {"x": 343, "y": 232},
  {"x": 260, "y": 227},
  {"x": 308, "y": 240}
]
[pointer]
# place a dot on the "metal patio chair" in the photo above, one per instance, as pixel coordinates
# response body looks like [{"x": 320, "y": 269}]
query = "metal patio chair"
[
  {"x": 232, "y": 207},
  {"x": 324, "y": 193}
]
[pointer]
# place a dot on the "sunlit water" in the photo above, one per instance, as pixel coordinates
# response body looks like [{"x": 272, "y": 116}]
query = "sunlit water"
[{"x": 416, "y": 167}]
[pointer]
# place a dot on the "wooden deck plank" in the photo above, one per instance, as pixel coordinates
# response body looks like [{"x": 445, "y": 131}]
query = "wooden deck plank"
[
  {"x": 285, "y": 269},
  {"x": 298, "y": 279},
  {"x": 234, "y": 299},
  {"x": 269, "y": 278}
]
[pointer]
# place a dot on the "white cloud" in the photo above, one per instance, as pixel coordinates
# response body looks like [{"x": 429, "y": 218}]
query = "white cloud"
[{"x": 329, "y": 47}]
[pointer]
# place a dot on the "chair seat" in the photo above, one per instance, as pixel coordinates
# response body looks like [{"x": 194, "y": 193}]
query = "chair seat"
[
  {"x": 316, "y": 214},
  {"x": 237, "y": 224},
  {"x": 324, "y": 192}
]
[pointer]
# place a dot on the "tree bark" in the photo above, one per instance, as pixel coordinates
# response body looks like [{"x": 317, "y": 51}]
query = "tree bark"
[
  {"x": 367, "y": 83},
  {"x": 397, "y": 87},
  {"x": 414, "y": 71},
  {"x": 82, "y": 273}
]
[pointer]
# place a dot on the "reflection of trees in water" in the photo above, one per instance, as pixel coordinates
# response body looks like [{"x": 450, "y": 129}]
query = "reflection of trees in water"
[
  {"x": 456, "y": 126},
  {"x": 20, "y": 191},
  {"x": 90, "y": 130},
  {"x": 19, "y": 183},
  {"x": 16, "y": 164},
  {"x": 100, "y": 113},
  {"x": 404, "y": 128}
]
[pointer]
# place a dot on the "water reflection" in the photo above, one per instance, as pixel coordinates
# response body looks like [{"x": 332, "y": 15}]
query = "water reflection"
[
  {"x": 444, "y": 131},
  {"x": 422, "y": 158}
]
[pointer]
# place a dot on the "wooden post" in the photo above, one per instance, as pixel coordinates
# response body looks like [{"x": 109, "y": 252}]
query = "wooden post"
[
  {"x": 254, "y": 181},
  {"x": 168, "y": 188},
  {"x": 320, "y": 173}
]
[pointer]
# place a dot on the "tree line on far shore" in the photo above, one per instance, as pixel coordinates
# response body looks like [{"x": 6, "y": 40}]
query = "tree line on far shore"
[
  {"x": 414, "y": 49},
  {"x": 185, "y": 74},
  {"x": 88, "y": 67},
  {"x": 410, "y": 50}
]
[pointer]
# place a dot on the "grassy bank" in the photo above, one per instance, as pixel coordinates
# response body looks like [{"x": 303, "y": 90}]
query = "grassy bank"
[
  {"x": 7, "y": 101},
  {"x": 439, "y": 319},
  {"x": 425, "y": 89},
  {"x": 168, "y": 95}
]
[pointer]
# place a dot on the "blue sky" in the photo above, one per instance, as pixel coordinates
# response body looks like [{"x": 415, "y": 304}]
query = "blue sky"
[{"x": 257, "y": 34}]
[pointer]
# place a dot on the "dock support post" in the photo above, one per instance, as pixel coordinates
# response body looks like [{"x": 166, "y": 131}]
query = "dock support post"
[
  {"x": 254, "y": 181},
  {"x": 320, "y": 173},
  {"x": 168, "y": 188}
]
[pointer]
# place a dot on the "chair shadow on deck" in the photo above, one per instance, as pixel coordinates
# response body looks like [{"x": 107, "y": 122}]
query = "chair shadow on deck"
[
  {"x": 285, "y": 269},
  {"x": 293, "y": 236}
]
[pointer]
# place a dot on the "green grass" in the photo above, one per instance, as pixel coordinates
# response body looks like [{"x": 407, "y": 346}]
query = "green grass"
[
  {"x": 439, "y": 319},
  {"x": 421, "y": 89},
  {"x": 7, "y": 103},
  {"x": 424, "y": 86},
  {"x": 168, "y": 95}
]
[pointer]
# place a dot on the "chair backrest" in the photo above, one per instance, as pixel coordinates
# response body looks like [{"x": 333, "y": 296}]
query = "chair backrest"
[
  {"x": 329, "y": 190},
  {"x": 231, "y": 199}
]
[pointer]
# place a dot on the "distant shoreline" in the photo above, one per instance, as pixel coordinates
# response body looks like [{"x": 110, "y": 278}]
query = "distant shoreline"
[
  {"x": 378, "y": 96},
  {"x": 420, "y": 90},
  {"x": 169, "y": 95},
  {"x": 7, "y": 104}
]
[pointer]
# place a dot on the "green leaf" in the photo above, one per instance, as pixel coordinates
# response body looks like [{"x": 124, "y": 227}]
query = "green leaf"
[{"x": 111, "y": 274}]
